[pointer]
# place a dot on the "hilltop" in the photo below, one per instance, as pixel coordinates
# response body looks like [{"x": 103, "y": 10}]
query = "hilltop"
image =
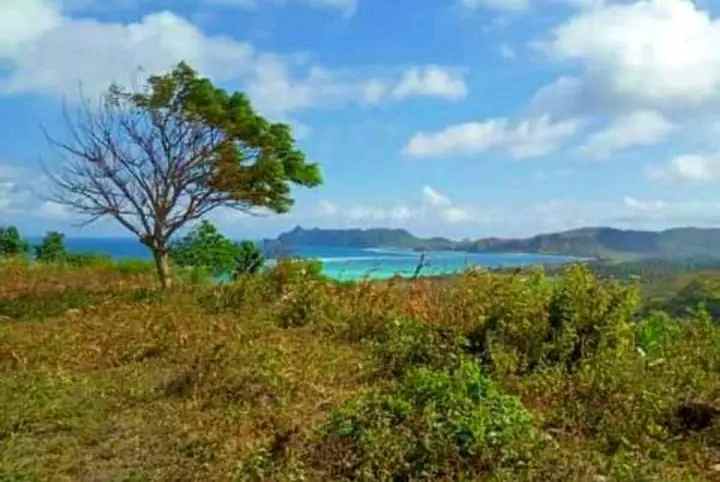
[
  {"x": 361, "y": 238},
  {"x": 603, "y": 242},
  {"x": 597, "y": 242}
]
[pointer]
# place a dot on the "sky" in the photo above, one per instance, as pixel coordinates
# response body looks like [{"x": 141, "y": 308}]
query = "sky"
[{"x": 458, "y": 118}]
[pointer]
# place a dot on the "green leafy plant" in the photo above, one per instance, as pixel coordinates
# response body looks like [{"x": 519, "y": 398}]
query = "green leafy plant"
[
  {"x": 432, "y": 425},
  {"x": 11, "y": 243},
  {"x": 52, "y": 248},
  {"x": 205, "y": 247},
  {"x": 249, "y": 259}
]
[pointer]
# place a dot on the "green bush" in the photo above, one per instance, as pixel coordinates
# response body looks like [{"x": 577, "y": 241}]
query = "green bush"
[
  {"x": 656, "y": 332},
  {"x": 249, "y": 259},
  {"x": 11, "y": 243},
  {"x": 528, "y": 321},
  {"x": 52, "y": 249},
  {"x": 408, "y": 344},
  {"x": 432, "y": 425},
  {"x": 205, "y": 247}
]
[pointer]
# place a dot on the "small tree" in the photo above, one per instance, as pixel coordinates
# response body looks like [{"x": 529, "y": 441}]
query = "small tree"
[
  {"x": 52, "y": 249},
  {"x": 249, "y": 259},
  {"x": 205, "y": 247},
  {"x": 159, "y": 158},
  {"x": 11, "y": 243}
]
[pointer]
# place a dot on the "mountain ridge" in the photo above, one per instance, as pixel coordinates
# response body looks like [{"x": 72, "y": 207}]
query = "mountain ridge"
[{"x": 596, "y": 242}]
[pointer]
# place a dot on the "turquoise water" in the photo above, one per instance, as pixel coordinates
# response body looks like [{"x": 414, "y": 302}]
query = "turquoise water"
[
  {"x": 352, "y": 263},
  {"x": 356, "y": 263}
]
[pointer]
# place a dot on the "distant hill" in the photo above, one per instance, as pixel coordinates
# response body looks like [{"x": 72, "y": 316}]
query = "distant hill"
[
  {"x": 361, "y": 238},
  {"x": 601, "y": 242},
  {"x": 612, "y": 243}
]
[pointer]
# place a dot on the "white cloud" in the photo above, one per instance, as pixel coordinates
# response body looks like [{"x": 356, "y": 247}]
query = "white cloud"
[
  {"x": 649, "y": 54},
  {"x": 435, "y": 208},
  {"x": 432, "y": 81},
  {"x": 327, "y": 208},
  {"x": 644, "y": 206},
  {"x": 274, "y": 88},
  {"x": 23, "y": 21},
  {"x": 688, "y": 168},
  {"x": 97, "y": 53},
  {"x": 46, "y": 52},
  {"x": 434, "y": 198},
  {"x": 639, "y": 128},
  {"x": 455, "y": 215},
  {"x": 533, "y": 137}
]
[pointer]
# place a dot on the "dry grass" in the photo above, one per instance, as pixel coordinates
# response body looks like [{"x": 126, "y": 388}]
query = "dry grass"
[{"x": 102, "y": 378}]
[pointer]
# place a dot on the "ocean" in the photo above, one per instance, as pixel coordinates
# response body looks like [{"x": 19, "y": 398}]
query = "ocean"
[{"x": 352, "y": 263}]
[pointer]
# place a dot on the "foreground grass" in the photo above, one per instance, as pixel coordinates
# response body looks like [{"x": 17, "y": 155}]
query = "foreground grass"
[{"x": 288, "y": 376}]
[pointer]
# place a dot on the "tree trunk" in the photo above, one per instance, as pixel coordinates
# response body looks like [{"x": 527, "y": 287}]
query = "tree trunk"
[{"x": 162, "y": 263}]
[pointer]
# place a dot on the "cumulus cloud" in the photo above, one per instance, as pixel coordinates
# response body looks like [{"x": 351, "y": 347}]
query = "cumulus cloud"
[
  {"x": 533, "y": 137},
  {"x": 649, "y": 54},
  {"x": 434, "y": 198},
  {"x": 639, "y": 128},
  {"x": 47, "y": 52},
  {"x": 435, "y": 208},
  {"x": 644, "y": 206},
  {"x": 431, "y": 81},
  {"x": 692, "y": 168}
]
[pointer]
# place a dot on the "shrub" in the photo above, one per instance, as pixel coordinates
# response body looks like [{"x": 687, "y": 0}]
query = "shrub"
[
  {"x": 11, "y": 243},
  {"x": 433, "y": 425},
  {"x": 407, "y": 343},
  {"x": 52, "y": 249},
  {"x": 656, "y": 332},
  {"x": 205, "y": 247},
  {"x": 249, "y": 259},
  {"x": 514, "y": 324},
  {"x": 528, "y": 321},
  {"x": 588, "y": 315}
]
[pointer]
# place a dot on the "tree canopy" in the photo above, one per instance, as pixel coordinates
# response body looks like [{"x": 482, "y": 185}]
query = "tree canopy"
[
  {"x": 167, "y": 155},
  {"x": 11, "y": 243}
]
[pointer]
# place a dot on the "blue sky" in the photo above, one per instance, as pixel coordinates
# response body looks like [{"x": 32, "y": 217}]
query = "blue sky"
[{"x": 464, "y": 118}]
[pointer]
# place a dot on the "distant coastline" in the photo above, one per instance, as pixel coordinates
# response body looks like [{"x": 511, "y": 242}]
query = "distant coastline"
[{"x": 601, "y": 243}]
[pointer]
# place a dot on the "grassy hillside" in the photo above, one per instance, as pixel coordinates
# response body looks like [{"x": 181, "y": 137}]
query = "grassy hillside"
[
  {"x": 360, "y": 238},
  {"x": 613, "y": 243},
  {"x": 287, "y": 376},
  {"x": 602, "y": 243}
]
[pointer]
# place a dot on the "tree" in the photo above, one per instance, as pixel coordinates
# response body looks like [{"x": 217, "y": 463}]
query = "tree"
[
  {"x": 11, "y": 243},
  {"x": 160, "y": 157},
  {"x": 52, "y": 249},
  {"x": 205, "y": 247},
  {"x": 249, "y": 259}
]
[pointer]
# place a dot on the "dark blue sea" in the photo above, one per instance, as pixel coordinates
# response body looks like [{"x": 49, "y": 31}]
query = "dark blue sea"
[{"x": 352, "y": 263}]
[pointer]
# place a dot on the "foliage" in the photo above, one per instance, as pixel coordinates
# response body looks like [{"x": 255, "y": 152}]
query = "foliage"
[
  {"x": 434, "y": 424},
  {"x": 249, "y": 259},
  {"x": 11, "y": 243},
  {"x": 52, "y": 248},
  {"x": 406, "y": 344},
  {"x": 205, "y": 247},
  {"x": 180, "y": 148},
  {"x": 288, "y": 376}
]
